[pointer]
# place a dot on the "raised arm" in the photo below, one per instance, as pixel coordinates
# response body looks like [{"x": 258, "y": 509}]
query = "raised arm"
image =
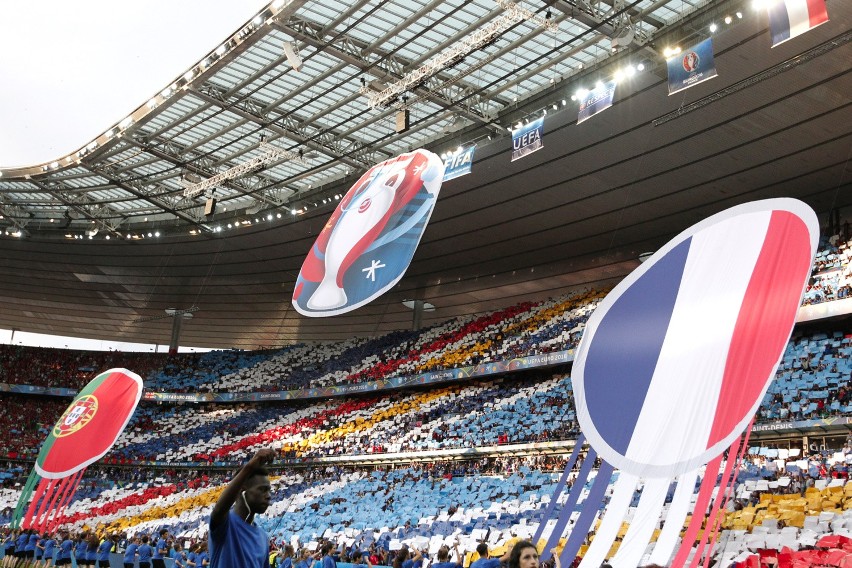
[{"x": 232, "y": 491}]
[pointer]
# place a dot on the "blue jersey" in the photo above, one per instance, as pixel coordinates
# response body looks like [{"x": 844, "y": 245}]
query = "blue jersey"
[
  {"x": 80, "y": 550},
  {"x": 236, "y": 544},
  {"x": 145, "y": 552},
  {"x": 162, "y": 545},
  {"x": 21, "y": 542},
  {"x": 104, "y": 549},
  {"x": 130, "y": 553},
  {"x": 65, "y": 549},
  {"x": 49, "y": 548}
]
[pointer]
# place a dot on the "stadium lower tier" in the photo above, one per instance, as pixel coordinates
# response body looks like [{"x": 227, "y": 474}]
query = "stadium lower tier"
[{"x": 769, "y": 513}]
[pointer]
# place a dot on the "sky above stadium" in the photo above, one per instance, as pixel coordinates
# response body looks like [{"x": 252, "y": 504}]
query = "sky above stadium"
[{"x": 70, "y": 70}]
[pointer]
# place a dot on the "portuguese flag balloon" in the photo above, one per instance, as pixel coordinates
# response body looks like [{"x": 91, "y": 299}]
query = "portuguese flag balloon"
[{"x": 83, "y": 434}]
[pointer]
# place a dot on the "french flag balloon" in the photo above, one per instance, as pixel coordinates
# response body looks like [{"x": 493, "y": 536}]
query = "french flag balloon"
[{"x": 673, "y": 365}]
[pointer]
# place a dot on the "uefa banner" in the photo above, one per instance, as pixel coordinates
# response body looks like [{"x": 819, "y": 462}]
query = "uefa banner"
[
  {"x": 459, "y": 163},
  {"x": 692, "y": 67},
  {"x": 597, "y": 100},
  {"x": 528, "y": 139}
]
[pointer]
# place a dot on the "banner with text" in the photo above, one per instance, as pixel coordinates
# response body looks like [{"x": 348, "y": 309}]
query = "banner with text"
[
  {"x": 597, "y": 100},
  {"x": 458, "y": 163},
  {"x": 693, "y": 66},
  {"x": 527, "y": 139}
]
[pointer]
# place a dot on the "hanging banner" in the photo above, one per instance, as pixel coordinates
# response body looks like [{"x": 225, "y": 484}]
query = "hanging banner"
[
  {"x": 791, "y": 18},
  {"x": 527, "y": 139},
  {"x": 694, "y": 66},
  {"x": 596, "y": 100},
  {"x": 459, "y": 163},
  {"x": 366, "y": 246}
]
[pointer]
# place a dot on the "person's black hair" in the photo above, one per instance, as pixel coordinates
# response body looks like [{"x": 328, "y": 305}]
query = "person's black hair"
[
  {"x": 252, "y": 479},
  {"x": 515, "y": 555},
  {"x": 401, "y": 557},
  {"x": 482, "y": 550}
]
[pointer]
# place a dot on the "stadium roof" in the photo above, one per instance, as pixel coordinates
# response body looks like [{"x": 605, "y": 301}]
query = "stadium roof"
[{"x": 80, "y": 250}]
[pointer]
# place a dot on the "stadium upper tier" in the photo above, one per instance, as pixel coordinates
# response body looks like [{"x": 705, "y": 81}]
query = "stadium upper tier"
[
  {"x": 811, "y": 382},
  {"x": 524, "y": 329}
]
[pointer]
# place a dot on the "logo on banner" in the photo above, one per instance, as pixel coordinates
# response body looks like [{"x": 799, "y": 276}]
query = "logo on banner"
[
  {"x": 596, "y": 100},
  {"x": 459, "y": 163},
  {"x": 691, "y": 61},
  {"x": 694, "y": 67},
  {"x": 528, "y": 139},
  {"x": 76, "y": 416},
  {"x": 366, "y": 246}
]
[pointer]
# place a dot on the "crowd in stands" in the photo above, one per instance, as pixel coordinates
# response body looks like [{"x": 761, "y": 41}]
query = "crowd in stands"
[
  {"x": 68, "y": 368},
  {"x": 831, "y": 277},
  {"x": 524, "y": 329},
  {"x": 812, "y": 382},
  {"x": 782, "y": 498}
]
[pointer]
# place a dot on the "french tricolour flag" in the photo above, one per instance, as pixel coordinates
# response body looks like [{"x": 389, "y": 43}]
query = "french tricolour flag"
[
  {"x": 677, "y": 358},
  {"x": 790, "y": 18}
]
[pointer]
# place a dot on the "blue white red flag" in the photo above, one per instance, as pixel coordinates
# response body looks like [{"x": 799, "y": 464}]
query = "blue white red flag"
[
  {"x": 791, "y": 18},
  {"x": 671, "y": 368}
]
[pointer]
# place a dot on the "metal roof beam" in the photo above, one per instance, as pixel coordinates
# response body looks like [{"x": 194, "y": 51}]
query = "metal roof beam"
[{"x": 383, "y": 66}]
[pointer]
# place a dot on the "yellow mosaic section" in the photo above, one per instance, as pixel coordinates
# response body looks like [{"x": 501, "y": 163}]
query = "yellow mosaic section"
[
  {"x": 791, "y": 509},
  {"x": 361, "y": 424},
  {"x": 459, "y": 357}
]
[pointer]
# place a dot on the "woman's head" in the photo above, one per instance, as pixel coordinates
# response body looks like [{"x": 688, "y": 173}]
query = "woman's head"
[{"x": 524, "y": 555}]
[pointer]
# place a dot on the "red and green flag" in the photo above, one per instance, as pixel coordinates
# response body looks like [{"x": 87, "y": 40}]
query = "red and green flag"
[{"x": 83, "y": 434}]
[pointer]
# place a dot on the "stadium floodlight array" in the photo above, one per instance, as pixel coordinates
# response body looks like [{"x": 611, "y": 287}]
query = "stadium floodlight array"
[
  {"x": 270, "y": 154},
  {"x": 513, "y": 14}
]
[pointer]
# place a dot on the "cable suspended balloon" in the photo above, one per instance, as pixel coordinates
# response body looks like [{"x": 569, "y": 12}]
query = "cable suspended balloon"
[
  {"x": 671, "y": 368},
  {"x": 367, "y": 244},
  {"x": 83, "y": 434}
]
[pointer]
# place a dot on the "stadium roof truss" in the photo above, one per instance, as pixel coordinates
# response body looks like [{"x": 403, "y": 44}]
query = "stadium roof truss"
[{"x": 463, "y": 69}]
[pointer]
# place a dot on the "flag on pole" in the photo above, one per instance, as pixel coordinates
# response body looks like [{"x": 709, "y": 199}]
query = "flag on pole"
[{"x": 791, "y": 18}]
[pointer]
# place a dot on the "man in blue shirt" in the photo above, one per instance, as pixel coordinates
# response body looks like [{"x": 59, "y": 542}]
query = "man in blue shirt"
[
  {"x": 161, "y": 550},
  {"x": 64, "y": 557},
  {"x": 235, "y": 542},
  {"x": 104, "y": 549},
  {"x": 49, "y": 545},
  {"x": 81, "y": 549},
  {"x": 145, "y": 552},
  {"x": 327, "y": 560},
  {"x": 130, "y": 553},
  {"x": 484, "y": 561}
]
